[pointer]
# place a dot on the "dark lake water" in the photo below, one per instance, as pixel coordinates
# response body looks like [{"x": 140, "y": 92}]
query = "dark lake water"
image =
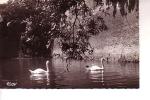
[{"x": 14, "y": 73}]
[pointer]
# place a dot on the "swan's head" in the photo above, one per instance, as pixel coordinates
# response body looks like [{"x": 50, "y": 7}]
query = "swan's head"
[
  {"x": 47, "y": 62},
  {"x": 102, "y": 59},
  {"x": 87, "y": 66}
]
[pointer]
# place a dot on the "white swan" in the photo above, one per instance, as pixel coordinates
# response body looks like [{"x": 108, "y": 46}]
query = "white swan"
[
  {"x": 41, "y": 71},
  {"x": 95, "y": 67}
]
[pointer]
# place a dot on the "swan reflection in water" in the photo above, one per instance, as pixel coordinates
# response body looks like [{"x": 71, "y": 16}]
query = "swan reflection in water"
[
  {"x": 96, "y": 76},
  {"x": 40, "y": 79}
]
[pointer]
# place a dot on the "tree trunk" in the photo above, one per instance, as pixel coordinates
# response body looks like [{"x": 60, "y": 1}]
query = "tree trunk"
[{"x": 50, "y": 49}]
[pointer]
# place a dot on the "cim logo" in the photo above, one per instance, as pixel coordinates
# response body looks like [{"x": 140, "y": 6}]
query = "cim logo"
[{"x": 11, "y": 84}]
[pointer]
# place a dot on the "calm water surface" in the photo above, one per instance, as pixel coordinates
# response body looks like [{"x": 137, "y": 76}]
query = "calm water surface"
[{"x": 14, "y": 73}]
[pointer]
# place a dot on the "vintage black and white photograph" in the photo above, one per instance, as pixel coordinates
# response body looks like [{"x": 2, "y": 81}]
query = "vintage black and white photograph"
[{"x": 69, "y": 44}]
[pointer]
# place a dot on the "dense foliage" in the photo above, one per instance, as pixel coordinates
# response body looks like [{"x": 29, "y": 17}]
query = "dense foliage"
[{"x": 72, "y": 22}]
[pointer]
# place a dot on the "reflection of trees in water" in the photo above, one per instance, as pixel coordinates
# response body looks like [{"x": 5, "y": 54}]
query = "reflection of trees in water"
[
  {"x": 128, "y": 70},
  {"x": 0, "y": 77},
  {"x": 52, "y": 75},
  {"x": 122, "y": 64},
  {"x": 9, "y": 71}
]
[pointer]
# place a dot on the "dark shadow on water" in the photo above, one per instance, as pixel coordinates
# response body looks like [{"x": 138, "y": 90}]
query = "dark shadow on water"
[{"x": 10, "y": 73}]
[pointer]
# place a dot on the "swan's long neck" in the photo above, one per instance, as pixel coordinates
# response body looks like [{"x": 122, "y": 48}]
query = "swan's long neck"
[
  {"x": 102, "y": 62},
  {"x": 31, "y": 71},
  {"x": 47, "y": 67}
]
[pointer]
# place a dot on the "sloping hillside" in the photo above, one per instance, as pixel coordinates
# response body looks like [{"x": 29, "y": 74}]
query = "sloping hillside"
[{"x": 121, "y": 39}]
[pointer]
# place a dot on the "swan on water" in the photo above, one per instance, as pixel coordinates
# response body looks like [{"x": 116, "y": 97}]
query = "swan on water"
[
  {"x": 96, "y": 67},
  {"x": 41, "y": 71}
]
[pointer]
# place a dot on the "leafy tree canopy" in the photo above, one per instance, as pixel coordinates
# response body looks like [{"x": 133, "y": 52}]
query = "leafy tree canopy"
[{"x": 72, "y": 22}]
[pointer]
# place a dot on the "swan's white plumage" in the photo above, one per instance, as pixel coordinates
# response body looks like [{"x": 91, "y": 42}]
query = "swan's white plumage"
[
  {"x": 95, "y": 67},
  {"x": 40, "y": 71}
]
